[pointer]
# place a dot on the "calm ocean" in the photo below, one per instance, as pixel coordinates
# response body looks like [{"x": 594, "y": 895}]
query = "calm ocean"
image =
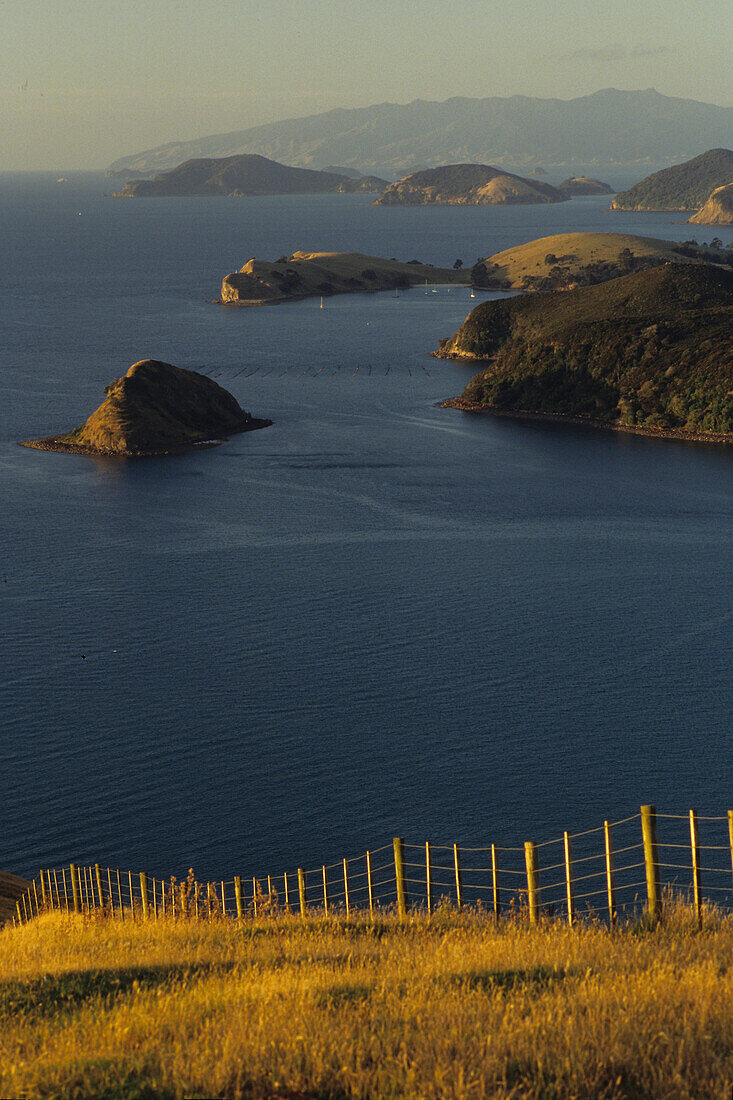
[{"x": 376, "y": 616}]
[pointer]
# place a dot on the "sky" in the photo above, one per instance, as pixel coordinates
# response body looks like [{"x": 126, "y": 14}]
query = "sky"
[{"x": 83, "y": 82}]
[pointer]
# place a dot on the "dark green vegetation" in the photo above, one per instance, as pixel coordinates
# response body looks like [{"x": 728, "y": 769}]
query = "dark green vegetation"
[
  {"x": 468, "y": 184},
  {"x": 684, "y": 187},
  {"x": 653, "y": 349},
  {"x": 608, "y": 127},
  {"x": 245, "y": 175},
  {"x": 153, "y": 409}
]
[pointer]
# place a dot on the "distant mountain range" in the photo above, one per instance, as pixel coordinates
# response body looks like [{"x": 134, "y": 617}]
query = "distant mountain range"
[{"x": 609, "y": 127}]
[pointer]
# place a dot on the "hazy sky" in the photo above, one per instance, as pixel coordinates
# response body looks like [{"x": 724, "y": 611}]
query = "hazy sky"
[{"x": 85, "y": 81}]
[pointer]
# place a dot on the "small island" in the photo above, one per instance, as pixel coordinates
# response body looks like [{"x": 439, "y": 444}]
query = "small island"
[
  {"x": 468, "y": 185},
  {"x": 649, "y": 352},
  {"x": 310, "y": 274},
  {"x": 155, "y": 409},
  {"x": 718, "y": 210},
  {"x": 247, "y": 174},
  {"x": 683, "y": 187},
  {"x": 584, "y": 185}
]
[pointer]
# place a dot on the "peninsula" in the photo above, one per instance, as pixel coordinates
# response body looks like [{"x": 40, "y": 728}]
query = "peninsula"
[
  {"x": 309, "y": 274},
  {"x": 468, "y": 185},
  {"x": 155, "y": 409},
  {"x": 648, "y": 352},
  {"x": 243, "y": 175},
  {"x": 683, "y": 187}
]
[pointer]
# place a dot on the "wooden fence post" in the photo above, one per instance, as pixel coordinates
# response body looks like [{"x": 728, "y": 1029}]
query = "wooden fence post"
[
  {"x": 530, "y": 859},
  {"x": 223, "y": 901},
  {"x": 56, "y": 887},
  {"x": 239, "y": 900},
  {"x": 74, "y": 887},
  {"x": 302, "y": 893},
  {"x": 119, "y": 894},
  {"x": 730, "y": 836},
  {"x": 399, "y": 870},
  {"x": 132, "y": 896},
  {"x": 286, "y": 888},
  {"x": 695, "y": 850},
  {"x": 610, "y": 879},
  {"x": 651, "y": 860},
  {"x": 144, "y": 894},
  {"x": 428, "y": 878},
  {"x": 370, "y": 886},
  {"x": 495, "y": 882},
  {"x": 569, "y": 879},
  {"x": 43, "y": 888},
  {"x": 66, "y": 892},
  {"x": 459, "y": 877},
  {"x": 347, "y": 900},
  {"x": 99, "y": 885},
  {"x": 325, "y": 890},
  {"x": 111, "y": 895}
]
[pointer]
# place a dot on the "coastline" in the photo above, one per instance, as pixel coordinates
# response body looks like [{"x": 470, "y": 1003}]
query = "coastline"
[
  {"x": 588, "y": 422},
  {"x": 62, "y": 446}
]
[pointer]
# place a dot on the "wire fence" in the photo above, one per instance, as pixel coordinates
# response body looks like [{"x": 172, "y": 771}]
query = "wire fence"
[{"x": 617, "y": 870}]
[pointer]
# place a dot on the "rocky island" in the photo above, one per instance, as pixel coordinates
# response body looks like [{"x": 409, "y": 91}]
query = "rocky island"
[
  {"x": 155, "y": 409},
  {"x": 683, "y": 187},
  {"x": 310, "y": 274},
  {"x": 718, "y": 210},
  {"x": 243, "y": 175},
  {"x": 649, "y": 352},
  {"x": 468, "y": 185}
]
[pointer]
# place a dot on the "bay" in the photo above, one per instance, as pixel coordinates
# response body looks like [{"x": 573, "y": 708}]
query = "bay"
[{"x": 376, "y": 617}]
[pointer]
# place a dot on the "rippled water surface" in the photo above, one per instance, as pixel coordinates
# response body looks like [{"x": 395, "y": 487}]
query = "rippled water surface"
[{"x": 376, "y": 616}]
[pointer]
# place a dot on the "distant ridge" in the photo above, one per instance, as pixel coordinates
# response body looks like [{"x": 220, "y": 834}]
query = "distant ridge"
[{"x": 607, "y": 127}]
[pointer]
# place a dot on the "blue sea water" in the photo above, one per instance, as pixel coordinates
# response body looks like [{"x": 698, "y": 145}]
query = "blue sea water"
[{"x": 376, "y": 617}]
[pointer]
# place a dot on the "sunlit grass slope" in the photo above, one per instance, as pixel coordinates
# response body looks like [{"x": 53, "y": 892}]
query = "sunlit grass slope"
[{"x": 451, "y": 1007}]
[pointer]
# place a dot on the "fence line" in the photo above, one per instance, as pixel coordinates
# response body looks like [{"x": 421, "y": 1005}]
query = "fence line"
[{"x": 598, "y": 873}]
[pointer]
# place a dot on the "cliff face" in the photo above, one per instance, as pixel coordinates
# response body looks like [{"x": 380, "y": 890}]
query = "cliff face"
[
  {"x": 154, "y": 408},
  {"x": 468, "y": 185},
  {"x": 684, "y": 187},
  {"x": 718, "y": 210},
  {"x": 245, "y": 175},
  {"x": 651, "y": 350},
  {"x": 310, "y": 274}
]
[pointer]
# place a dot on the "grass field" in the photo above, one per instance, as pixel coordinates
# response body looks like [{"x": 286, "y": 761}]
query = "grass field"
[{"x": 451, "y": 1006}]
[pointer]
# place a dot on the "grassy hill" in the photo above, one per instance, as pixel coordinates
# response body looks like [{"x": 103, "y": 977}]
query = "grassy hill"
[
  {"x": 683, "y": 187},
  {"x": 565, "y": 260},
  {"x": 652, "y": 349},
  {"x": 453, "y": 1006}
]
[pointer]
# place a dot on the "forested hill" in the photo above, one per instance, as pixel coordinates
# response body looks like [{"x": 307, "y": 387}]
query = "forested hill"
[{"x": 652, "y": 349}]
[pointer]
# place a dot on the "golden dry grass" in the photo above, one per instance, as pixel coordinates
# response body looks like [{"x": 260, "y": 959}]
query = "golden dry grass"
[
  {"x": 585, "y": 248},
  {"x": 447, "y": 1007}
]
